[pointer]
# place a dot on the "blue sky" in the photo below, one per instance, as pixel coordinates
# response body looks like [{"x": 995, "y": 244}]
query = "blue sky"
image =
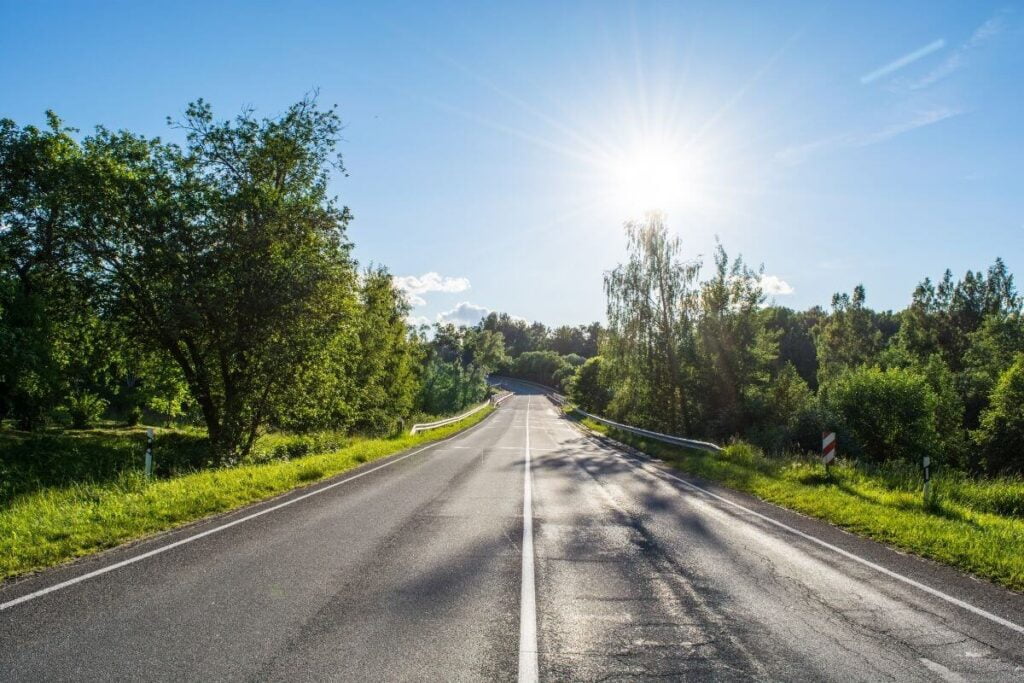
[{"x": 495, "y": 150}]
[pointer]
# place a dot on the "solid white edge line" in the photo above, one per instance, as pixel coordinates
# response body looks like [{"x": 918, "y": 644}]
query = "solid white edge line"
[
  {"x": 528, "y": 668},
  {"x": 825, "y": 544},
  {"x": 162, "y": 549}
]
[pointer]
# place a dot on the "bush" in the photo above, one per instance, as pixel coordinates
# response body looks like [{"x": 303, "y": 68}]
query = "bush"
[
  {"x": 589, "y": 387},
  {"x": 883, "y": 414},
  {"x": 782, "y": 415},
  {"x": 1000, "y": 437},
  {"x": 541, "y": 367},
  {"x": 134, "y": 416},
  {"x": 85, "y": 409}
]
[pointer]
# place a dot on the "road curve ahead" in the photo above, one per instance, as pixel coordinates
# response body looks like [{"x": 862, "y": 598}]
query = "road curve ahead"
[{"x": 429, "y": 567}]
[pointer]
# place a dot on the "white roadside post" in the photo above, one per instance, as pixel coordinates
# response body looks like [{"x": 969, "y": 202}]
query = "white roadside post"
[
  {"x": 149, "y": 453},
  {"x": 926, "y": 466},
  {"x": 828, "y": 449}
]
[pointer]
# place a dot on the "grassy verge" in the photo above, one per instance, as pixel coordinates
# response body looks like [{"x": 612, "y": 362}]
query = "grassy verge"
[
  {"x": 974, "y": 525},
  {"x": 53, "y": 525}
]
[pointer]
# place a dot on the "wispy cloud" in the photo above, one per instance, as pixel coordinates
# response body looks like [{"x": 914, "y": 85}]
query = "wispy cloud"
[
  {"x": 903, "y": 61},
  {"x": 922, "y": 119},
  {"x": 798, "y": 154},
  {"x": 773, "y": 285},
  {"x": 414, "y": 286},
  {"x": 981, "y": 35}
]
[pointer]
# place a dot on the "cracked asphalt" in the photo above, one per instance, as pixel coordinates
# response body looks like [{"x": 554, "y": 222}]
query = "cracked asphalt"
[{"x": 413, "y": 571}]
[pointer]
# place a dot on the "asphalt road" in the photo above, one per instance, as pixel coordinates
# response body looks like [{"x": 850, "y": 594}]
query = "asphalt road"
[{"x": 426, "y": 566}]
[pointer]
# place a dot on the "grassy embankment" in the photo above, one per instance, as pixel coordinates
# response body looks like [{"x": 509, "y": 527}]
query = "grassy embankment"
[
  {"x": 976, "y": 525},
  {"x": 72, "y": 494}
]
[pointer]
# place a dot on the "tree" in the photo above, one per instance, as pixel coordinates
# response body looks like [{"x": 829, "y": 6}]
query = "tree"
[
  {"x": 1001, "y": 434},
  {"x": 518, "y": 335},
  {"x": 796, "y": 341},
  {"x": 228, "y": 254},
  {"x": 458, "y": 360},
  {"x": 50, "y": 322},
  {"x": 783, "y": 413},
  {"x": 735, "y": 350},
  {"x": 542, "y": 367},
  {"x": 588, "y": 388},
  {"x": 848, "y": 337},
  {"x": 581, "y": 340},
  {"x": 651, "y": 304}
]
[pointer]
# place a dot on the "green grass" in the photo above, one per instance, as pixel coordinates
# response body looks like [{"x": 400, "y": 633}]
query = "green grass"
[
  {"x": 975, "y": 525},
  {"x": 55, "y": 524}
]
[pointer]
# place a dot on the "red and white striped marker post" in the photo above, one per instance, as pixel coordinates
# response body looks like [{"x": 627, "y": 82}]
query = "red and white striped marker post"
[{"x": 828, "y": 448}]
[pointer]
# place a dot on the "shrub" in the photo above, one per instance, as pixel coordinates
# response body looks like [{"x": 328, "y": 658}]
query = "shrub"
[
  {"x": 782, "y": 414},
  {"x": 1000, "y": 437},
  {"x": 85, "y": 409},
  {"x": 540, "y": 367},
  {"x": 589, "y": 386},
  {"x": 134, "y": 416},
  {"x": 883, "y": 414}
]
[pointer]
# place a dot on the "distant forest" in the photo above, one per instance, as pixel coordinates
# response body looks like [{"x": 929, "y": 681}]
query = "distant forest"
[{"x": 707, "y": 356}]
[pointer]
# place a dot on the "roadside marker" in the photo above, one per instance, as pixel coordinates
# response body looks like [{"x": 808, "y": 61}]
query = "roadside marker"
[
  {"x": 149, "y": 453},
  {"x": 828, "y": 447}
]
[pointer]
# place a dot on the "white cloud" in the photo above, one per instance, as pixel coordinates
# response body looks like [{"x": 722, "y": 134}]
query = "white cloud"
[
  {"x": 464, "y": 313},
  {"x": 773, "y": 285},
  {"x": 903, "y": 61},
  {"x": 431, "y": 282},
  {"x": 417, "y": 320},
  {"x": 413, "y": 286},
  {"x": 984, "y": 33}
]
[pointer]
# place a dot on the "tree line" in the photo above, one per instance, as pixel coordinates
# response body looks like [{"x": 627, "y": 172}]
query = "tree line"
[
  {"x": 210, "y": 281},
  {"x": 709, "y": 357}
]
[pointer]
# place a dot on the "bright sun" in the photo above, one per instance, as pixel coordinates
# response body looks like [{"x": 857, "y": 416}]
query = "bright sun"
[{"x": 652, "y": 176}]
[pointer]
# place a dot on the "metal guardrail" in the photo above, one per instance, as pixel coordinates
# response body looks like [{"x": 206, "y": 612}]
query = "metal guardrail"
[
  {"x": 494, "y": 400},
  {"x": 657, "y": 436},
  {"x": 497, "y": 399}
]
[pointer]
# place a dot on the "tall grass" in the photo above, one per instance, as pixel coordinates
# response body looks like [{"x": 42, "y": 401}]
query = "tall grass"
[
  {"x": 58, "y": 523},
  {"x": 975, "y": 525}
]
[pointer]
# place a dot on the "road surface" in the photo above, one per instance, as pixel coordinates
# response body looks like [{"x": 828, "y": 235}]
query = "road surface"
[{"x": 427, "y": 566}]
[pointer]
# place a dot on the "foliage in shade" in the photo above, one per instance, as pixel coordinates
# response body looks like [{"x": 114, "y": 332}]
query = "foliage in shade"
[{"x": 1001, "y": 434}]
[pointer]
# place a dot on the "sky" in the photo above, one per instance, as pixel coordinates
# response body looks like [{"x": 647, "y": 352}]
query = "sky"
[{"x": 495, "y": 150}]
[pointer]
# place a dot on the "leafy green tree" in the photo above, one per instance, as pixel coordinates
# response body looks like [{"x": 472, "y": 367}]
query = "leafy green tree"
[
  {"x": 50, "y": 325},
  {"x": 519, "y": 336},
  {"x": 386, "y": 367},
  {"x": 848, "y": 337},
  {"x": 735, "y": 349},
  {"x": 796, "y": 339},
  {"x": 883, "y": 414},
  {"x": 990, "y": 352},
  {"x": 589, "y": 386},
  {"x": 581, "y": 340},
  {"x": 458, "y": 361},
  {"x": 544, "y": 367},
  {"x": 1000, "y": 437},
  {"x": 783, "y": 413},
  {"x": 228, "y": 253},
  {"x": 652, "y": 300}
]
